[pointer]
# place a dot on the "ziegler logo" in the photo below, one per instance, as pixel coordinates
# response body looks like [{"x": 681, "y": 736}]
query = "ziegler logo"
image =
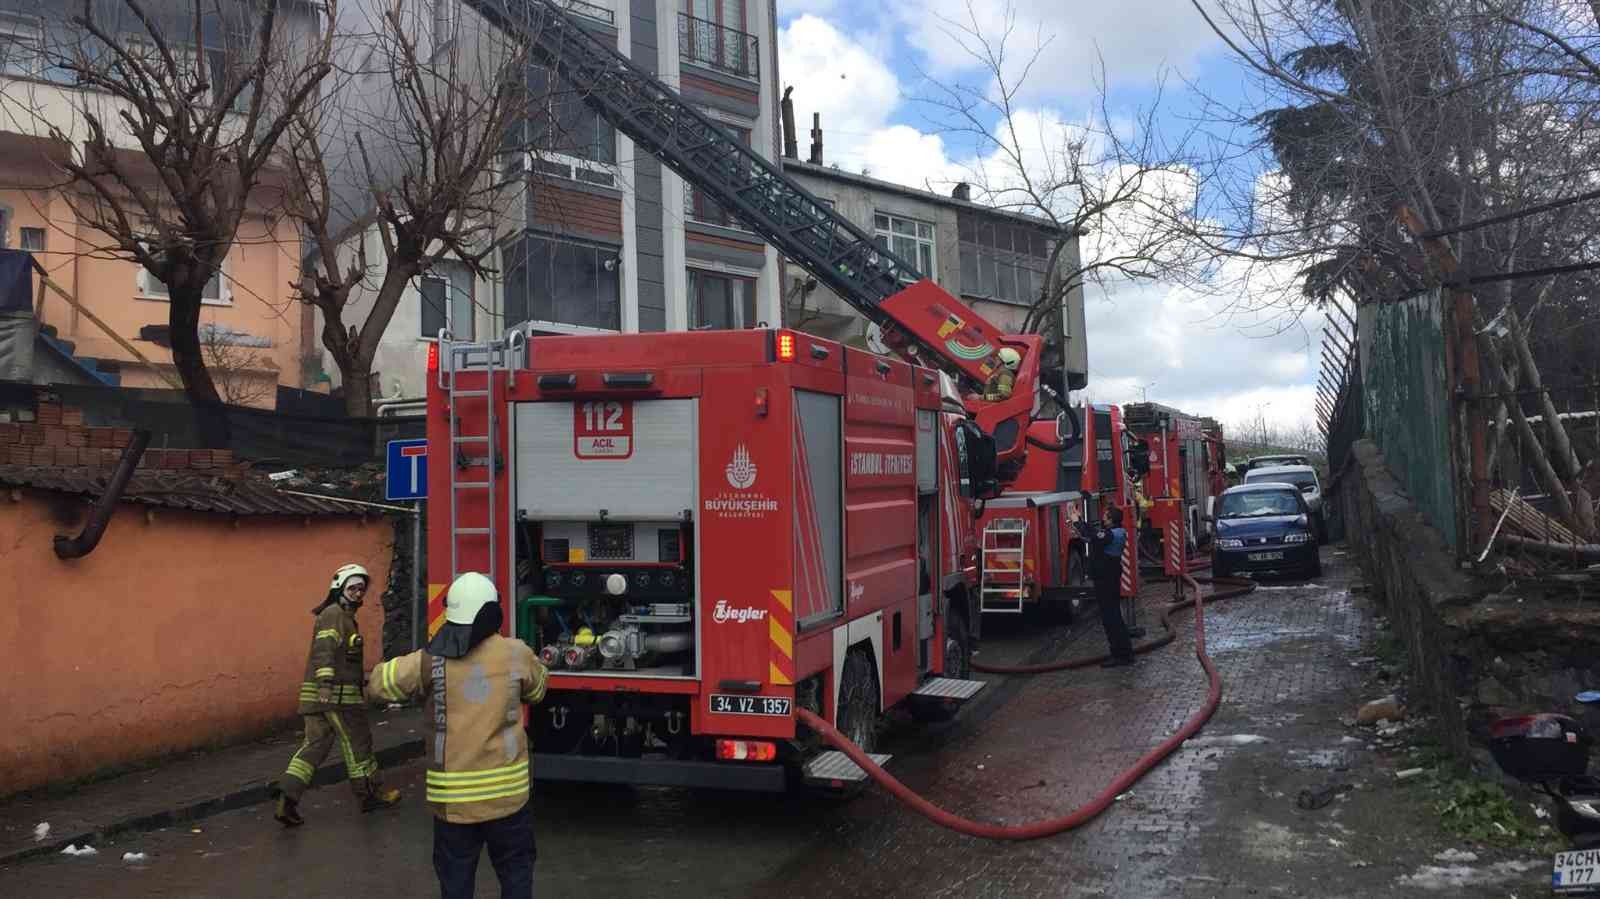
[
  {"x": 724, "y": 612},
  {"x": 741, "y": 471},
  {"x": 856, "y": 591}
]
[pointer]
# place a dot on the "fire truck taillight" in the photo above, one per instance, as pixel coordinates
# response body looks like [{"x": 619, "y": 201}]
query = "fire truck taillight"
[
  {"x": 746, "y": 751},
  {"x": 433, "y": 358},
  {"x": 786, "y": 347}
]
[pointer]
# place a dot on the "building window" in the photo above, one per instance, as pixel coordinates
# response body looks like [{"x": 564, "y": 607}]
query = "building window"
[
  {"x": 700, "y": 206},
  {"x": 713, "y": 33},
  {"x": 909, "y": 239},
  {"x": 21, "y": 45},
  {"x": 5, "y": 227},
  {"x": 446, "y": 21},
  {"x": 721, "y": 302},
  {"x": 215, "y": 292},
  {"x": 1001, "y": 261},
  {"x": 186, "y": 66},
  {"x": 563, "y": 281},
  {"x": 559, "y": 121},
  {"x": 448, "y": 286},
  {"x": 30, "y": 239}
]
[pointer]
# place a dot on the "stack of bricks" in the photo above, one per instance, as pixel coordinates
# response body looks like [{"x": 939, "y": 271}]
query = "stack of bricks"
[{"x": 58, "y": 438}]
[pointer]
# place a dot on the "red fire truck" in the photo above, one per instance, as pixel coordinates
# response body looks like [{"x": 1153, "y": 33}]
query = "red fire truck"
[
  {"x": 1030, "y": 556},
  {"x": 1182, "y": 466},
  {"x": 700, "y": 532}
]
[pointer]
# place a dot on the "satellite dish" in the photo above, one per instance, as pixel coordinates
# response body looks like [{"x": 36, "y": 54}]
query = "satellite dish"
[{"x": 875, "y": 339}]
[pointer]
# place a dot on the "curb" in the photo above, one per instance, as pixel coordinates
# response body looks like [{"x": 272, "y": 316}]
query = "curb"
[{"x": 242, "y": 798}]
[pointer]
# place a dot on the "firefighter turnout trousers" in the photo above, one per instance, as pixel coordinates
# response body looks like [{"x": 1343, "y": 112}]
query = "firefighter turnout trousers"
[{"x": 347, "y": 728}]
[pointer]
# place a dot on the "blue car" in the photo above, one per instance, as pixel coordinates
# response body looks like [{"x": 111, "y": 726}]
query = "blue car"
[{"x": 1264, "y": 527}]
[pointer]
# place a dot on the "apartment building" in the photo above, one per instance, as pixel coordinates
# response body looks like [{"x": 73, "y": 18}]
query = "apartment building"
[
  {"x": 602, "y": 238},
  {"x": 249, "y": 316}
]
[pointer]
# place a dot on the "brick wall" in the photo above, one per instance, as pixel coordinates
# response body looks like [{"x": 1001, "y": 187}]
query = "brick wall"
[{"x": 58, "y": 438}]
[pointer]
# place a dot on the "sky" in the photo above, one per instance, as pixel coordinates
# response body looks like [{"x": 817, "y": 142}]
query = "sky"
[{"x": 868, "y": 69}]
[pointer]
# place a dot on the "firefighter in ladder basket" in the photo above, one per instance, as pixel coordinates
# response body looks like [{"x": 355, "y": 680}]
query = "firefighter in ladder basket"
[
  {"x": 332, "y": 705},
  {"x": 1107, "y": 541},
  {"x": 1002, "y": 381}
]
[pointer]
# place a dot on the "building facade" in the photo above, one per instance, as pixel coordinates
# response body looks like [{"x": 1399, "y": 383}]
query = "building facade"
[
  {"x": 598, "y": 237},
  {"x": 993, "y": 260},
  {"x": 249, "y": 324}
]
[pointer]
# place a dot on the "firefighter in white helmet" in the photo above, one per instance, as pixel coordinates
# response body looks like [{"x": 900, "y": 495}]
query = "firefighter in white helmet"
[
  {"x": 1001, "y": 382},
  {"x": 332, "y": 705},
  {"x": 475, "y": 683}
]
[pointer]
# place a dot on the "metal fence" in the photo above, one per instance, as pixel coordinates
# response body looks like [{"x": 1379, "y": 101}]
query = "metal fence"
[{"x": 1406, "y": 395}]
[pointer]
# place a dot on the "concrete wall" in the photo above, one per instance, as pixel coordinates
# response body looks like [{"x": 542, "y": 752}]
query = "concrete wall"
[
  {"x": 179, "y": 631},
  {"x": 1477, "y": 649}
]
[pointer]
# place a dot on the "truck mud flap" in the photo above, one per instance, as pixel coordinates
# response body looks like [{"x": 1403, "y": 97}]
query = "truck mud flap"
[{"x": 761, "y": 778}]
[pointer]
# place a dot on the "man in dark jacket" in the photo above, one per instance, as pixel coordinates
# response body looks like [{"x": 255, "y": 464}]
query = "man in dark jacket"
[{"x": 1107, "y": 542}]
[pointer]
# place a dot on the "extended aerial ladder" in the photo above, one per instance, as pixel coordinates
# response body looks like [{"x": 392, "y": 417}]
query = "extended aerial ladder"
[{"x": 919, "y": 319}]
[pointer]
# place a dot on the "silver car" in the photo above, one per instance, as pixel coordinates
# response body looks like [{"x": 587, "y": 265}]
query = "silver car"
[{"x": 1303, "y": 478}]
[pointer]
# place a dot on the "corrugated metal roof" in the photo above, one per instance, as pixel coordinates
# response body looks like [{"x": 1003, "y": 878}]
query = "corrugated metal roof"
[{"x": 192, "y": 491}]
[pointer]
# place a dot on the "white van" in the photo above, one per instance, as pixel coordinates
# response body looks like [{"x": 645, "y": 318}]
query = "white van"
[{"x": 1304, "y": 479}]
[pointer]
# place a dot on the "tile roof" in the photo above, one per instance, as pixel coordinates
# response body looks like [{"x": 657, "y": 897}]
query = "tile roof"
[{"x": 193, "y": 491}]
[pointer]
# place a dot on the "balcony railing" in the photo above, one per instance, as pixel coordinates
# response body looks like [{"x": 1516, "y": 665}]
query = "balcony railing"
[
  {"x": 714, "y": 46},
  {"x": 598, "y": 13}
]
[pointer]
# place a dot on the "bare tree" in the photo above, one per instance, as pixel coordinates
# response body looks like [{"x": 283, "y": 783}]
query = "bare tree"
[
  {"x": 200, "y": 93},
  {"x": 1118, "y": 183},
  {"x": 414, "y": 160}
]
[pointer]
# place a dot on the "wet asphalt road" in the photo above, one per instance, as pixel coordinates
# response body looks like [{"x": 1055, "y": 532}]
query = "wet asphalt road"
[{"x": 1213, "y": 820}]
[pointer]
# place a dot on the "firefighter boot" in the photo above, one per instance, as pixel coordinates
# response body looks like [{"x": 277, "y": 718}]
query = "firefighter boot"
[
  {"x": 288, "y": 811},
  {"x": 378, "y": 797}
]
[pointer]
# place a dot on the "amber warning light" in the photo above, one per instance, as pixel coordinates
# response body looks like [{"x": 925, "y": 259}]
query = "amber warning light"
[{"x": 786, "y": 347}]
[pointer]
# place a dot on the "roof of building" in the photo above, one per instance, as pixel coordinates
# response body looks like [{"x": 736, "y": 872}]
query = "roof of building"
[
  {"x": 191, "y": 491},
  {"x": 822, "y": 171}
]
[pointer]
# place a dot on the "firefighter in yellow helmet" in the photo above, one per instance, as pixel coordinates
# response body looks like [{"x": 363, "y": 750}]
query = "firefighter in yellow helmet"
[
  {"x": 1001, "y": 382},
  {"x": 332, "y": 705},
  {"x": 475, "y": 683}
]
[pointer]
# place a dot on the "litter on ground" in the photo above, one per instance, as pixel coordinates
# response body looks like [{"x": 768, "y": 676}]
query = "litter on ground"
[
  {"x": 133, "y": 857},
  {"x": 1229, "y": 740},
  {"x": 40, "y": 831},
  {"x": 73, "y": 849}
]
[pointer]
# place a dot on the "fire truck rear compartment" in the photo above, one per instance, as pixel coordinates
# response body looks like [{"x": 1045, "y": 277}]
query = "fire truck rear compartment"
[{"x": 604, "y": 549}]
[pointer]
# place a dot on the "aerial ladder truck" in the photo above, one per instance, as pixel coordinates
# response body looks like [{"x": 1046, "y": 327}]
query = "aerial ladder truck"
[{"x": 701, "y": 532}]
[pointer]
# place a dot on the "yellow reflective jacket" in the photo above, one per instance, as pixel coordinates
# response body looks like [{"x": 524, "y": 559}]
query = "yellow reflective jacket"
[
  {"x": 477, "y": 750},
  {"x": 335, "y": 660}
]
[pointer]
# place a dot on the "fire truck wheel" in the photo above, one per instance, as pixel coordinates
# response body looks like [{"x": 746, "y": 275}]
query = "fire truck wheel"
[
  {"x": 858, "y": 700},
  {"x": 957, "y": 645}
]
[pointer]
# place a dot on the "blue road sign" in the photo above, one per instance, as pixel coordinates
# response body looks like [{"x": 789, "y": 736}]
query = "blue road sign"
[{"x": 407, "y": 475}]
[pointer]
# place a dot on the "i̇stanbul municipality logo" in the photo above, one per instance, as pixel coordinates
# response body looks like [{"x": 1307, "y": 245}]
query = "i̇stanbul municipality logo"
[{"x": 741, "y": 471}]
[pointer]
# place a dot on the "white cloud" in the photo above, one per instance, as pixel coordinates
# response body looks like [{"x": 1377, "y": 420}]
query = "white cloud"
[
  {"x": 837, "y": 76},
  {"x": 1135, "y": 38},
  {"x": 1198, "y": 353}
]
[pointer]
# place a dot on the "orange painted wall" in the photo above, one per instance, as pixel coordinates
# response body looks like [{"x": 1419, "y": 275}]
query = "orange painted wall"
[
  {"x": 259, "y": 269},
  {"x": 173, "y": 634}
]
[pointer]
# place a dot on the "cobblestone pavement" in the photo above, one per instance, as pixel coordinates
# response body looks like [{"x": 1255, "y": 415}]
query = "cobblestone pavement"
[{"x": 1217, "y": 819}]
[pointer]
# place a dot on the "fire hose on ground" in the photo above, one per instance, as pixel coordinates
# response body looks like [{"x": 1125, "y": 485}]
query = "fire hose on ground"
[{"x": 1104, "y": 799}]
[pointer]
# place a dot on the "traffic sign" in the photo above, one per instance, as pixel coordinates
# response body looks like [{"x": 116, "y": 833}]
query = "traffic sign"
[{"x": 407, "y": 474}]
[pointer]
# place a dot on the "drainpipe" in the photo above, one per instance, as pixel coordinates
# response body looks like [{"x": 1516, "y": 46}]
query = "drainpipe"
[
  {"x": 100, "y": 516},
  {"x": 384, "y": 409}
]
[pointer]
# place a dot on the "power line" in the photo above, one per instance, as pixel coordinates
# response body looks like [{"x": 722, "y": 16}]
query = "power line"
[{"x": 1514, "y": 214}]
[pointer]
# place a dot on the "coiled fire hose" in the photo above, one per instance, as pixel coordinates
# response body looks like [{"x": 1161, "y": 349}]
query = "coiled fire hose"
[{"x": 1126, "y": 779}]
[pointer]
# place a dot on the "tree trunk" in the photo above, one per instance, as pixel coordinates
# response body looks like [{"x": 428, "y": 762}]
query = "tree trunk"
[
  {"x": 183, "y": 331},
  {"x": 1566, "y": 459},
  {"x": 357, "y": 390}
]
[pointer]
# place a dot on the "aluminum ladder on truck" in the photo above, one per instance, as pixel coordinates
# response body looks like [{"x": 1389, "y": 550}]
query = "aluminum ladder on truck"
[
  {"x": 1004, "y": 575},
  {"x": 486, "y": 358}
]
